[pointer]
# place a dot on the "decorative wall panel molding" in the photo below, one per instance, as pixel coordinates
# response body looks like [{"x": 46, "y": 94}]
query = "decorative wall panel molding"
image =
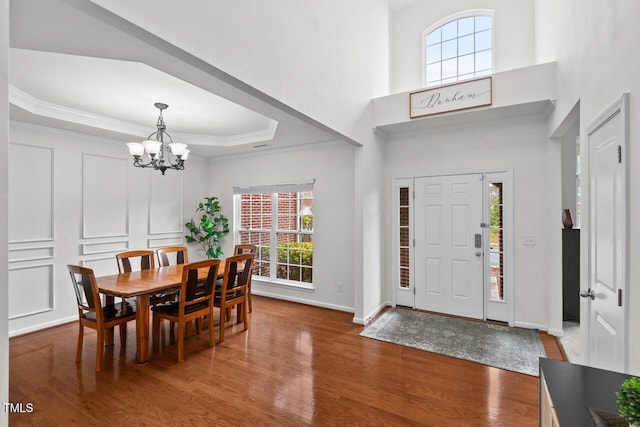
[
  {"x": 30, "y": 218},
  {"x": 165, "y": 203},
  {"x": 31, "y": 290},
  {"x": 101, "y": 266},
  {"x": 165, "y": 241},
  {"x": 30, "y": 254},
  {"x": 105, "y": 206},
  {"x": 105, "y": 247}
]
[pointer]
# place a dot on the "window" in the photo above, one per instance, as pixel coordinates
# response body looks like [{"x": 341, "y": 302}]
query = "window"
[
  {"x": 496, "y": 241},
  {"x": 403, "y": 233},
  {"x": 458, "y": 50},
  {"x": 282, "y": 219}
]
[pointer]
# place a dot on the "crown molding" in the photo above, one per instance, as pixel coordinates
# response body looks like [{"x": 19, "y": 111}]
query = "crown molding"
[{"x": 38, "y": 107}]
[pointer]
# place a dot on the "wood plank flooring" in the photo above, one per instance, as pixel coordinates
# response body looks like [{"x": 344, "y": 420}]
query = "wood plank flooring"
[{"x": 296, "y": 365}]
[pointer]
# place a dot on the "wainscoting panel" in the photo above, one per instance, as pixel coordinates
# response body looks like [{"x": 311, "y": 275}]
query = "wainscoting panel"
[
  {"x": 105, "y": 247},
  {"x": 165, "y": 241},
  {"x": 165, "y": 203},
  {"x": 30, "y": 253},
  {"x": 31, "y": 217},
  {"x": 105, "y": 207},
  {"x": 102, "y": 266},
  {"x": 30, "y": 290}
]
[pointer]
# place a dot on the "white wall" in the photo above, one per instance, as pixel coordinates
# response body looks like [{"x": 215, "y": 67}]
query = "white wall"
[
  {"x": 513, "y": 35},
  {"x": 4, "y": 146},
  {"x": 331, "y": 165},
  {"x": 286, "y": 49},
  {"x": 517, "y": 143},
  {"x": 369, "y": 231},
  {"x": 82, "y": 204},
  {"x": 594, "y": 66}
]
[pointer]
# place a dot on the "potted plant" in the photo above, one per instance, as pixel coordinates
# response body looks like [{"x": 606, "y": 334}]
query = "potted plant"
[
  {"x": 212, "y": 227},
  {"x": 628, "y": 400}
]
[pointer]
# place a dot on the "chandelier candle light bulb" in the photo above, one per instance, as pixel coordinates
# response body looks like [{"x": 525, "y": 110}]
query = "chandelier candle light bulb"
[
  {"x": 177, "y": 149},
  {"x": 152, "y": 147},
  {"x": 161, "y": 157}
]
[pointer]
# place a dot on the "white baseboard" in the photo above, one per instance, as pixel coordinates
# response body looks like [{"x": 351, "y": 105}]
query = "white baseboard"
[
  {"x": 526, "y": 325},
  {"x": 39, "y": 326},
  {"x": 556, "y": 332},
  {"x": 303, "y": 301},
  {"x": 373, "y": 313}
]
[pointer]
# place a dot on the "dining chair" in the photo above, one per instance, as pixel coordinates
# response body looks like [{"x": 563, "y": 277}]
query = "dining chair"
[
  {"x": 93, "y": 314},
  {"x": 164, "y": 254},
  {"x": 195, "y": 302},
  {"x": 142, "y": 260},
  {"x": 240, "y": 249},
  {"x": 233, "y": 290}
]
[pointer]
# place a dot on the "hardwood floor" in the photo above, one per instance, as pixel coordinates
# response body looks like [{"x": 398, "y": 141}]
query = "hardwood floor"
[{"x": 296, "y": 365}]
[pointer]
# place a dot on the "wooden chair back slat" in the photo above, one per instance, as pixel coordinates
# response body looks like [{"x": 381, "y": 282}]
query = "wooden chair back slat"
[
  {"x": 86, "y": 288},
  {"x": 181, "y": 253},
  {"x": 146, "y": 258}
]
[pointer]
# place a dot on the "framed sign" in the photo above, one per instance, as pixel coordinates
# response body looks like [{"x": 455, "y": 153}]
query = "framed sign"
[{"x": 453, "y": 97}]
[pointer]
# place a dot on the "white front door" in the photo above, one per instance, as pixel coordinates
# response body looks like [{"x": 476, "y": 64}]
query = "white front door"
[
  {"x": 448, "y": 245},
  {"x": 606, "y": 328}
]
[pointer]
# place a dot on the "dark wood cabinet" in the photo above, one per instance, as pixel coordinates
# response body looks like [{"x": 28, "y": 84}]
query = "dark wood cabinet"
[
  {"x": 568, "y": 392},
  {"x": 571, "y": 274}
]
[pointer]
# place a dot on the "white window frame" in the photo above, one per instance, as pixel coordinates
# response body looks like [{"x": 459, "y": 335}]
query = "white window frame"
[
  {"x": 501, "y": 310},
  {"x": 455, "y": 17},
  {"x": 274, "y": 189}
]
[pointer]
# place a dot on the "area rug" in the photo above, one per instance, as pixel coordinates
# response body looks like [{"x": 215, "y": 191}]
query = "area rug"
[{"x": 513, "y": 349}]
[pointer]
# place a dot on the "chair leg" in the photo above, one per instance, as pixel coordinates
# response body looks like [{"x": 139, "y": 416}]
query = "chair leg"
[
  {"x": 223, "y": 313},
  {"x": 80, "y": 339},
  {"x": 156, "y": 332},
  {"x": 123, "y": 334},
  {"x": 180, "y": 343},
  {"x": 245, "y": 317},
  {"x": 172, "y": 332},
  {"x": 249, "y": 296},
  {"x": 100, "y": 350},
  {"x": 212, "y": 338}
]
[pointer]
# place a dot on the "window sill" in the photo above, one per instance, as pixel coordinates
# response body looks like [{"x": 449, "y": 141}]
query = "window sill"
[{"x": 281, "y": 283}]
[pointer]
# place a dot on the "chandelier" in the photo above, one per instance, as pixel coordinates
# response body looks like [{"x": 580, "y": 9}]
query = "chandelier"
[{"x": 160, "y": 156}]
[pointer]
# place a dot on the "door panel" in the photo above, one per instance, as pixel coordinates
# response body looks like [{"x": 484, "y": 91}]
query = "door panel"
[
  {"x": 606, "y": 341},
  {"x": 449, "y": 269}
]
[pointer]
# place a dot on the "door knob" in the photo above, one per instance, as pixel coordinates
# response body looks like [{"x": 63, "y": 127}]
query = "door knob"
[
  {"x": 588, "y": 294},
  {"x": 478, "y": 253}
]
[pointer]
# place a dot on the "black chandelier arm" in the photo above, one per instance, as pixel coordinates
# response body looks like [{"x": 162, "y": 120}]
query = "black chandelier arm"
[
  {"x": 137, "y": 161},
  {"x": 162, "y": 166}
]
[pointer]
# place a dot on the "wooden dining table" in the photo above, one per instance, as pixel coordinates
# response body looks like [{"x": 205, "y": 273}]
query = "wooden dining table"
[{"x": 142, "y": 285}]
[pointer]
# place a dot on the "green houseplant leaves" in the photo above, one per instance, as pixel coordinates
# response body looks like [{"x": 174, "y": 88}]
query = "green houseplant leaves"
[
  {"x": 213, "y": 225},
  {"x": 628, "y": 400}
]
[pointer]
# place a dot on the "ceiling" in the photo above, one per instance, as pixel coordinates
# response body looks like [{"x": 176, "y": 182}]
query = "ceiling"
[{"x": 78, "y": 67}]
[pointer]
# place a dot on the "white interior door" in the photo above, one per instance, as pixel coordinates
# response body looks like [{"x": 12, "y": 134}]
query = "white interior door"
[
  {"x": 448, "y": 245},
  {"x": 606, "y": 329}
]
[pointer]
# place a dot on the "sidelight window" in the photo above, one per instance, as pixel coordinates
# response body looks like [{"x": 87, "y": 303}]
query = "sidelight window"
[{"x": 496, "y": 241}]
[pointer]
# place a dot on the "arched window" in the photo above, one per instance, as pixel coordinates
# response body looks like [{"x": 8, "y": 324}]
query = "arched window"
[{"x": 458, "y": 50}]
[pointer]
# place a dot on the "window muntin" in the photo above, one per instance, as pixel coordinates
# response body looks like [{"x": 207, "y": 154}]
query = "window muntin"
[
  {"x": 281, "y": 220},
  {"x": 459, "y": 50}
]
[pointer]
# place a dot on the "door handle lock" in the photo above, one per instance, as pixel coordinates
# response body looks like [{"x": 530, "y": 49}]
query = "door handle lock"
[{"x": 588, "y": 294}]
